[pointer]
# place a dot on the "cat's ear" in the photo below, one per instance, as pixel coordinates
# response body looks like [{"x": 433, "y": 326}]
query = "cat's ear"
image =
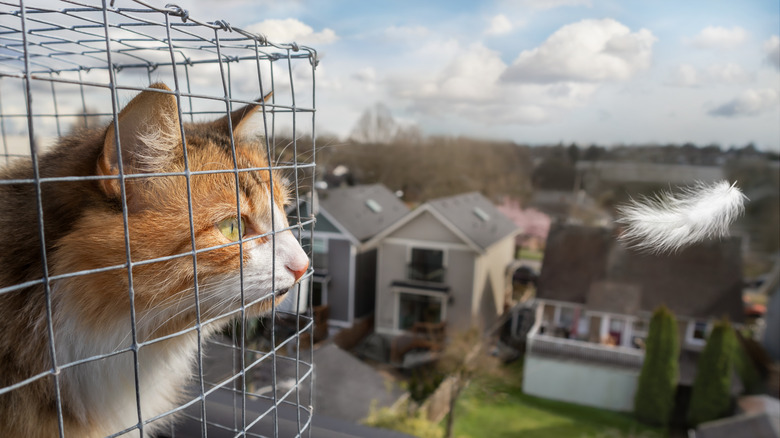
[
  {"x": 246, "y": 121},
  {"x": 149, "y": 135}
]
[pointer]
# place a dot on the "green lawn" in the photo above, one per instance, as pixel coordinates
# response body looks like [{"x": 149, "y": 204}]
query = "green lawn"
[{"x": 499, "y": 409}]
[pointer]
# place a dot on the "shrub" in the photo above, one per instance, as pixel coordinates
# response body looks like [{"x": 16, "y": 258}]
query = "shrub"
[
  {"x": 711, "y": 393},
  {"x": 401, "y": 420},
  {"x": 654, "y": 398}
]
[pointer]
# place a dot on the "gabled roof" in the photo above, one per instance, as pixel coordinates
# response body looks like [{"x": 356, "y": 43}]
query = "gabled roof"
[
  {"x": 471, "y": 217},
  {"x": 702, "y": 281},
  {"x": 476, "y": 217},
  {"x": 361, "y": 211}
]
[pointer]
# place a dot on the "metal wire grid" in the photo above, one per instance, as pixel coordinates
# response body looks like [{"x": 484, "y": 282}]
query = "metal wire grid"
[{"x": 59, "y": 61}]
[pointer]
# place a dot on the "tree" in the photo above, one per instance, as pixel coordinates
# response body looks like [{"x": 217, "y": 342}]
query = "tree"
[
  {"x": 711, "y": 394},
  {"x": 463, "y": 360},
  {"x": 654, "y": 398}
]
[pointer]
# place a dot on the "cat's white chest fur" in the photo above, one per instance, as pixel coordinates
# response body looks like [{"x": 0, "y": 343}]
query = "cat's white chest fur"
[{"x": 105, "y": 390}]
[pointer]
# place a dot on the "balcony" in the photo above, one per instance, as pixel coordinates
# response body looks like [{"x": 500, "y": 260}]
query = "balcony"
[
  {"x": 551, "y": 346},
  {"x": 425, "y": 272}
]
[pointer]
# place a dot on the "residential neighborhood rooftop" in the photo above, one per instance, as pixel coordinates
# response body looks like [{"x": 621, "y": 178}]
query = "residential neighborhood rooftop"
[
  {"x": 363, "y": 210},
  {"x": 701, "y": 281},
  {"x": 476, "y": 217}
]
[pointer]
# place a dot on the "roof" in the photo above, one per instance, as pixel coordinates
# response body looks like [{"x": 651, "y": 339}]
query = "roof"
[
  {"x": 476, "y": 217},
  {"x": 752, "y": 425},
  {"x": 702, "y": 281},
  {"x": 362, "y": 211}
]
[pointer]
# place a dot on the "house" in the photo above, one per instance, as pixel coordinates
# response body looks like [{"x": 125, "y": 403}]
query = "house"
[
  {"x": 594, "y": 302},
  {"x": 344, "y": 267},
  {"x": 442, "y": 268}
]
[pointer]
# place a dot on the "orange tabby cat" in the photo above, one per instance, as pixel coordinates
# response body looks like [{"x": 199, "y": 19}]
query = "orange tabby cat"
[{"x": 84, "y": 230}]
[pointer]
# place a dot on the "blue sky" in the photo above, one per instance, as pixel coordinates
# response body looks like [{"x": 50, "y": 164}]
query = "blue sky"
[{"x": 539, "y": 71}]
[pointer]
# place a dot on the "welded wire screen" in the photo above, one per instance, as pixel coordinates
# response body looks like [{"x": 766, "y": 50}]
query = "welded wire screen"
[{"x": 72, "y": 66}]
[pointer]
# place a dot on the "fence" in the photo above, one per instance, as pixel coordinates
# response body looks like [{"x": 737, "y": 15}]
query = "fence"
[{"x": 112, "y": 289}]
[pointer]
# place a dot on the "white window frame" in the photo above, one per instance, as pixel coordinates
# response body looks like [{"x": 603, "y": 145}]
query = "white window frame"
[{"x": 691, "y": 328}]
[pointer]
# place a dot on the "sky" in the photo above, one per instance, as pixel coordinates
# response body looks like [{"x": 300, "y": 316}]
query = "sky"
[
  {"x": 537, "y": 71},
  {"x": 540, "y": 71}
]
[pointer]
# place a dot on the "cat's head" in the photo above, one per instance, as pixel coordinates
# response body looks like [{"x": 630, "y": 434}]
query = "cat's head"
[{"x": 224, "y": 201}]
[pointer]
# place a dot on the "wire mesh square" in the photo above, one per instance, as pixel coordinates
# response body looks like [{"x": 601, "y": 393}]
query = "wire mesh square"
[{"x": 172, "y": 365}]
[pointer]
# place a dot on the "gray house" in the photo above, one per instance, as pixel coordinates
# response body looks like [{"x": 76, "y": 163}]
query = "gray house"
[
  {"x": 443, "y": 264},
  {"x": 344, "y": 267},
  {"x": 594, "y": 302}
]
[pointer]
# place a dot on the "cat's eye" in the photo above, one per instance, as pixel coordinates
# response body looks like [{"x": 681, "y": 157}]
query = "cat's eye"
[{"x": 230, "y": 228}]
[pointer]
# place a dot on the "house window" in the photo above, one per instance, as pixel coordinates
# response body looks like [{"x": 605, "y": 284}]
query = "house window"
[
  {"x": 639, "y": 333},
  {"x": 616, "y": 331},
  {"x": 414, "y": 308},
  {"x": 696, "y": 333},
  {"x": 700, "y": 330},
  {"x": 319, "y": 252},
  {"x": 427, "y": 265},
  {"x": 567, "y": 317},
  {"x": 319, "y": 295},
  {"x": 583, "y": 328},
  {"x": 565, "y": 322}
]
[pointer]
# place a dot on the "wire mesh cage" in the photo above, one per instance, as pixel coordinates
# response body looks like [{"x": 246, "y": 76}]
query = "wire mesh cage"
[{"x": 152, "y": 281}]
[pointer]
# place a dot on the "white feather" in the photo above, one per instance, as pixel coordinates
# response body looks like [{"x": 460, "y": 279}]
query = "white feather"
[{"x": 668, "y": 222}]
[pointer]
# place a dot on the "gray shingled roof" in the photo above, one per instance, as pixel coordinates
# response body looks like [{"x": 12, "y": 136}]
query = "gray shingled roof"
[
  {"x": 701, "y": 281},
  {"x": 349, "y": 206},
  {"x": 754, "y": 426},
  {"x": 476, "y": 217}
]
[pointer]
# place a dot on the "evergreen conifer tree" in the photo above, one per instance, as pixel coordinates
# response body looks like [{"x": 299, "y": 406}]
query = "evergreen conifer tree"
[
  {"x": 711, "y": 393},
  {"x": 657, "y": 384}
]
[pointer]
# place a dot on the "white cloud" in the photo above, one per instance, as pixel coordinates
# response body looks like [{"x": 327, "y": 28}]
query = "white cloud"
[
  {"x": 772, "y": 51},
  {"x": 366, "y": 74},
  {"x": 685, "y": 75},
  {"x": 475, "y": 83},
  {"x": 749, "y": 103},
  {"x": 586, "y": 51},
  {"x": 715, "y": 37},
  {"x": 470, "y": 86},
  {"x": 499, "y": 25},
  {"x": 729, "y": 73},
  {"x": 292, "y": 30},
  {"x": 471, "y": 76}
]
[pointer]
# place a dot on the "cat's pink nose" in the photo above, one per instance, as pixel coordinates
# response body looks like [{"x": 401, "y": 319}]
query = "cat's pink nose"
[{"x": 298, "y": 269}]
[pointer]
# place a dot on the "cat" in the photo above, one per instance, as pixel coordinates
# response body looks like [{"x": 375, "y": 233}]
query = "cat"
[{"x": 84, "y": 229}]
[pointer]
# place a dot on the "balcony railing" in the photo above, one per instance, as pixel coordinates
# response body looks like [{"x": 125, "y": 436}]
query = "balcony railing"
[
  {"x": 585, "y": 351},
  {"x": 421, "y": 272}
]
